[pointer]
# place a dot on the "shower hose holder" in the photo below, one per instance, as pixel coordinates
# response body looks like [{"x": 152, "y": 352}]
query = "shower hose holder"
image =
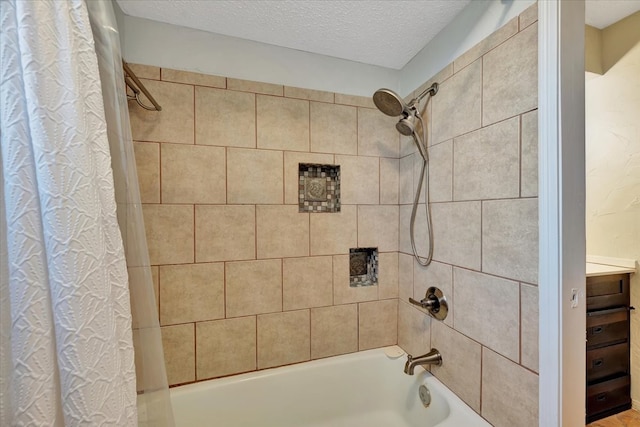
[{"x": 434, "y": 302}]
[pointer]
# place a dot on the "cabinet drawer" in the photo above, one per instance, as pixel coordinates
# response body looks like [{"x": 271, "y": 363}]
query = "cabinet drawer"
[
  {"x": 608, "y": 395},
  {"x": 607, "y": 326},
  {"x": 607, "y": 291},
  {"x": 607, "y": 361}
]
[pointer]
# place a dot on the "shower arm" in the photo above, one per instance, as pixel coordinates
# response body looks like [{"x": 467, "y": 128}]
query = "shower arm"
[{"x": 431, "y": 90}]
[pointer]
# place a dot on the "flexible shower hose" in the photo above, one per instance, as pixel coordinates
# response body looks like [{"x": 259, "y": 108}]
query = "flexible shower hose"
[{"x": 424, "y": 176}]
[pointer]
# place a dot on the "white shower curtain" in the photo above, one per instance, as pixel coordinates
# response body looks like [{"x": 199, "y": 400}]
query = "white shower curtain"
[{"x": 66, "y": 354}]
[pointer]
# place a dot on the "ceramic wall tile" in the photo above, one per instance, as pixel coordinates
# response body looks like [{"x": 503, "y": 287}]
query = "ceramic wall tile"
[
  {"x": 334, "y": 330},
  {"x": 204, "y": 181},
  {"x": 225, "y": 233},
  {"x": 510, "y": 77},
  {"x": 360, "y": 180},
  {"x": 191, "y": 293},
  {"x": 457, "y": 108},
  {"x": 307, "y": 282},
  {"x": 509, "y": 392},
  {"x": 254, "y": 176},
  {"x": 462, "y": 363},
  {"x": 225, "y": 347},
  {"x": 283, "y": 338},
  {"x": 497, "y": 329},
  {"x": 253, "y": 287},
  {"x": 487, "y": 161},
  {"x": 148, "y": 169},
  {"x": 282, "y": 123},
  {"x": 178, "y": 343},
  {"x": 174, "y": 123},
  {"x": 217, "y": 112},
  {"x": 255, "y": 87},
  {"x": 377, "y": 323},
  {"x": 281, "y": 231},
  {"x": 333, "y": 128},
  {"x": 169, "y": 230},
  {"x": 187, "y": 77},
  {"x": 510, "y": 239},
  {"x": 377, "y": 134},
  {"x": 456, "y": 233}
]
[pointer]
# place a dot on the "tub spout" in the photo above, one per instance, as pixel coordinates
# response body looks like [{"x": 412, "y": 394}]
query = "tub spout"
[{"x": 432, "y": 358}]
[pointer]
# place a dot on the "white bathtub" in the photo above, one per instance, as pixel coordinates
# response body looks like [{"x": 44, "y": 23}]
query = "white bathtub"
[{"x": 365, "y": 389}]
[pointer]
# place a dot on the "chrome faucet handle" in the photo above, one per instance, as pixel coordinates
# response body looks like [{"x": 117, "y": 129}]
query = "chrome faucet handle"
[{"x": 434, "y": 302}]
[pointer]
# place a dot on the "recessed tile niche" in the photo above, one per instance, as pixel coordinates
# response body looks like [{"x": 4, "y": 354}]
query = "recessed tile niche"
[
  {"x": 363, "y": 267},
  {"x": 318, "y": 188}
]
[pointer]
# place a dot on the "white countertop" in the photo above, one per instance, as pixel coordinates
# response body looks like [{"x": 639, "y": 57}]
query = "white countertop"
[{"x": 603, "y": 266}]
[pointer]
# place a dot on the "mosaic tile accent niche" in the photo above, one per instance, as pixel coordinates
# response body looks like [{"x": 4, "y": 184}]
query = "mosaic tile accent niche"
[
  {"x": 318, "y": 188},
  {"x": 363, "y": 267}
]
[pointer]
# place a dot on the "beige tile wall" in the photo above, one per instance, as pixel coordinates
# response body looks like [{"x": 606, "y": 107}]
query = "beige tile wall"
[
  {"x": 483, "y": 182},
  {"x": 247, "y": 282}
]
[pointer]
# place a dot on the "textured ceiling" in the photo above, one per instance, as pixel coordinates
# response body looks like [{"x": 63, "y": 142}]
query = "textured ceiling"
[
  {"x": 602, "y": 13},
  {"x": 386, "y": 33}
]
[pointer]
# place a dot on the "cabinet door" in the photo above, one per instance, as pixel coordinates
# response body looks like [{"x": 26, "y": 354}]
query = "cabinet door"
[
  {"x": 607, "y": 291},
  {"x": 607, "y": 361},
  {"x": 606, "y": 327},
  {"x": 608, "y": 395}
]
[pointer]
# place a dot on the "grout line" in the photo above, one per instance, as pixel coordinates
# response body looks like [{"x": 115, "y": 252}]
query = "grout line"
[
  {"x": 358, "y": 324},
  {"x": 309, "y": 128},
  {"x": 481, "y": 368},
  {"x": 520, "y": 156},
  {"x": 226, "y": 175},
  {"x": 194, "y": 115},
  {"x": 379, "y": 181},
  {"x": 452, "y": 302},
  {"x": 157, "y": 296},
  {"x": 195, "y": 353},
  {"x": 160, "y": 170},
  {"x": 357, "y": 131},
  {"x": 483, "y": 200},
  {"x": 453, "y": 169},
  {"x": 520, "y": 323},
  {"x": 482, "y": 272},
  {"x": 310, "y": 337},
  {"x": 194, "y": 235},
  {"x": 481, "y": 233},
  {"x": 482, "y": 91}
]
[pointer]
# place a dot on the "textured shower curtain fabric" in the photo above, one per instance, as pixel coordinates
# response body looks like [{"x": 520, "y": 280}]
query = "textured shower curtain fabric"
[{"x": 66, "y": 354}]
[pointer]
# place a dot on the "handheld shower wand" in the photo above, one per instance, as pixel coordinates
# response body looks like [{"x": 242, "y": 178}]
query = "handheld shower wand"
[{"x": 391, "y": 104}]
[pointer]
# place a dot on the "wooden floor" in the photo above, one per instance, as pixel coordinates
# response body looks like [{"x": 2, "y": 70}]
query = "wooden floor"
[{"x": 628, "y": 418}]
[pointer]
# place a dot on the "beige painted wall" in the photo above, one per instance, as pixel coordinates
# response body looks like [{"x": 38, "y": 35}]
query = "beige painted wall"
[
  {"x": 604, "y": 48},
  {"x": 619, "y": 38},
  {"x": 483, "y": 134},
  {"x": 592, "y": 49},
  {"x": 613, "y": 162}
]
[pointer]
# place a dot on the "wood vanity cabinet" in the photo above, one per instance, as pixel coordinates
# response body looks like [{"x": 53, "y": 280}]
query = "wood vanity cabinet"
[{"x": 608, "y": 350}]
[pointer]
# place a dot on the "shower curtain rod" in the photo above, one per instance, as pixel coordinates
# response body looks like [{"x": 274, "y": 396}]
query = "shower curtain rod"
[{"x": 136, "y": 86}]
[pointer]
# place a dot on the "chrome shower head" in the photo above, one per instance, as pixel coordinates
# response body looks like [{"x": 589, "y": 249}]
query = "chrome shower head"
[
  {"x": 389, "y": 102},
  {"x": 406, "y": 126}
]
